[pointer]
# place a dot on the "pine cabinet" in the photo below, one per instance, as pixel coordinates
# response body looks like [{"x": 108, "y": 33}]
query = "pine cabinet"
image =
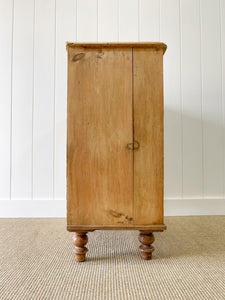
[{"x": 115, "y": 141}]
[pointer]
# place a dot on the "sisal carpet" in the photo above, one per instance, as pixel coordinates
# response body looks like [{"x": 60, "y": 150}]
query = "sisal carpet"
[{"x": 37, "y": 262}]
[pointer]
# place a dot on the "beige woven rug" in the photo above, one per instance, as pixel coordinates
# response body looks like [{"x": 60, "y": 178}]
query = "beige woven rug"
[{"x": 37, "y": 262}]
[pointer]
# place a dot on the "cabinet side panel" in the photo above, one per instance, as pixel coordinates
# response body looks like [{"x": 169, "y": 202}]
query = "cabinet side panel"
[
  {"x": 99, "y": 166},
  {"x": 148, "y": 131}
]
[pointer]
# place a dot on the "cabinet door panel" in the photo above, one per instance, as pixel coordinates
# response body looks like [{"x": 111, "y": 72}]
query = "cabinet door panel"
[
  {"x": 148, "y": 131},
  {"x": 99, "y": 166}
]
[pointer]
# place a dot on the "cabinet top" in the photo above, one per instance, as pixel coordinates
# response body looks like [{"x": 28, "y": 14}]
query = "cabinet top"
[{"x": 155, "y": 45}]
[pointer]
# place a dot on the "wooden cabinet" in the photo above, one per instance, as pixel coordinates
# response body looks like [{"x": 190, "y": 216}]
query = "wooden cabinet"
[{"x": 115, "y": 141}]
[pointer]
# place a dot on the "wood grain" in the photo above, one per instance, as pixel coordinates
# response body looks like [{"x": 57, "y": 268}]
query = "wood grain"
[
  {"x": 99, "y": 165},
  {"x": 148, "y": 131}
]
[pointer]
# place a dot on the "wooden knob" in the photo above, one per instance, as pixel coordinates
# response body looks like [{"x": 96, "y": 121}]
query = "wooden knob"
[{"x": 133, "y": 146}]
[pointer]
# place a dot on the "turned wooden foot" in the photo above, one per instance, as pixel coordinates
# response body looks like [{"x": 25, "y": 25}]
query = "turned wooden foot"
[
  {"x": 80, "y": 239},
  {"x": 146, "y": 238}
]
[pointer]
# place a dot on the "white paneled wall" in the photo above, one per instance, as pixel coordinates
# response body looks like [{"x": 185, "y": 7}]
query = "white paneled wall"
[{"x": 33, "y": 80}]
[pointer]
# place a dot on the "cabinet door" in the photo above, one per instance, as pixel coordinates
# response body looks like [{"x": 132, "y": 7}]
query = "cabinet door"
[
  {"x": 99, "y": 165},
  {"x": 148, "y": 131}
]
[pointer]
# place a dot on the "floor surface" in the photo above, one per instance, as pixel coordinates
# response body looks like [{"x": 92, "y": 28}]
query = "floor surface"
[{"x": 37, "y": 262}]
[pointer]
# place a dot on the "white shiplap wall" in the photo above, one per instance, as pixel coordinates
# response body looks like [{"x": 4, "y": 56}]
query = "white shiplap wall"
[{"x": 33, "y": 96}]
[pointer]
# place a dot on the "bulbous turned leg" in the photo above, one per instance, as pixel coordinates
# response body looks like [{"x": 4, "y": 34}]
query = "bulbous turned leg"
[
  {"x": 146, "y": 238},
  {"x": 80, "y": 239}
]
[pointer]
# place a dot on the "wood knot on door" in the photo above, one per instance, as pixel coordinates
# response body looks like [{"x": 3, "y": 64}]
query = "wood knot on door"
[
  {"x": 133, "y": 146},
  {"x": 120, "y": 218},
  {"x": 78, "y": 56},
  {"x": 100, "y": 54}
]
